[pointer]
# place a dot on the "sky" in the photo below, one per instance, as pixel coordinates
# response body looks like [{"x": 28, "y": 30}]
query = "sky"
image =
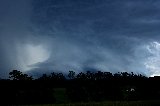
[{"x": 41, "y": 36}]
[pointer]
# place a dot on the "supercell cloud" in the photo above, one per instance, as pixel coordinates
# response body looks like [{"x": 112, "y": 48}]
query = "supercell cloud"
[{"x": 39, "y": 36}]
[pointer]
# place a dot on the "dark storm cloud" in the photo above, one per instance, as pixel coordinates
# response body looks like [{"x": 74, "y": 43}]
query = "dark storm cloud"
[{"x": 62, "y": 35}]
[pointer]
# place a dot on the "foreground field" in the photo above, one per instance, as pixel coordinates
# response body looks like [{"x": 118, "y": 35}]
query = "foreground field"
[{"x": 117, "y": 103}]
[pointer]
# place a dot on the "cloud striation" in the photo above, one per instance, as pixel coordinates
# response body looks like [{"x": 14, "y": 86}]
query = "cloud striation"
[{"x": 39, "y": 36}]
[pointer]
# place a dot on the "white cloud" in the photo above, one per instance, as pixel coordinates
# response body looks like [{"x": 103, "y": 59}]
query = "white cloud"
[
  {"x": 152, "y": 62},
  {"x": 29, "y": 54}
]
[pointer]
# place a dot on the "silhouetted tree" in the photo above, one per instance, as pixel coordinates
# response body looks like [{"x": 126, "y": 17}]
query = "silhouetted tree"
[
  {"x": 71, "y": 74},
  {"x": 18, "y": 75},
  {"x": 57, "y": 76},
  {"x": 44, "y": 77}
]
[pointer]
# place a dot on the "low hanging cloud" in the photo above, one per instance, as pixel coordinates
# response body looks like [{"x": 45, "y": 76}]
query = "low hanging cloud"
[{"x": 44, "y": 36}]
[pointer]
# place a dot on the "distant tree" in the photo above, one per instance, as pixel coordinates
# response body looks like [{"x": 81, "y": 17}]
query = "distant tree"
[
  {"x": 99, "y": 75},
  {"x": 89, "y": 75},
  {"x": 81, "y": 76},
  {"x": 107, "y": 75},
  {"x": 44, "y": 77},
  {"x": 57, "y": 76},
  {"x": 18, "y": 75},
  {"x": 71, "y": 74}
]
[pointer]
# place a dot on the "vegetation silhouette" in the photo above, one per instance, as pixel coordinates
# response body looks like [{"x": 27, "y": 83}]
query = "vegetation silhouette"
[
  {"x": 82, "y": 87},
  {"x": 18, "y": 75}
]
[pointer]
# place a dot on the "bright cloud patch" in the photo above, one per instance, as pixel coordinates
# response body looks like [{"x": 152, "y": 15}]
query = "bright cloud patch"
[
  {"x": 153, "y": 61},
  {"x": 30, "y": 55}
]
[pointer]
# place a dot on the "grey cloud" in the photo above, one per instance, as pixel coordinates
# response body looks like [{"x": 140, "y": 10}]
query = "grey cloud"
[
  {"x": 77, "y": 35},
  {"x": 105, "y": 35}
]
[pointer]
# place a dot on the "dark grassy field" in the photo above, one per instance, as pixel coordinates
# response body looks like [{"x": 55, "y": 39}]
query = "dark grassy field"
[
  {"x": 62, "y": 100},
  {"x": 109, "y": 103}
]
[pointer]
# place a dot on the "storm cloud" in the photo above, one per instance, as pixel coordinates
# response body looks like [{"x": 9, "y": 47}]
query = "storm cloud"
[{"x": 39, "y": 36}]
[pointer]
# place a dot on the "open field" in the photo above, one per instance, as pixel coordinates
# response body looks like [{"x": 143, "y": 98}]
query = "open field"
[{"x": 109, "y": 103}]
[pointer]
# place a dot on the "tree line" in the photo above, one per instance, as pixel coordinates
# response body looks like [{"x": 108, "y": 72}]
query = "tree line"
[{"x": 86, "y": 86}]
